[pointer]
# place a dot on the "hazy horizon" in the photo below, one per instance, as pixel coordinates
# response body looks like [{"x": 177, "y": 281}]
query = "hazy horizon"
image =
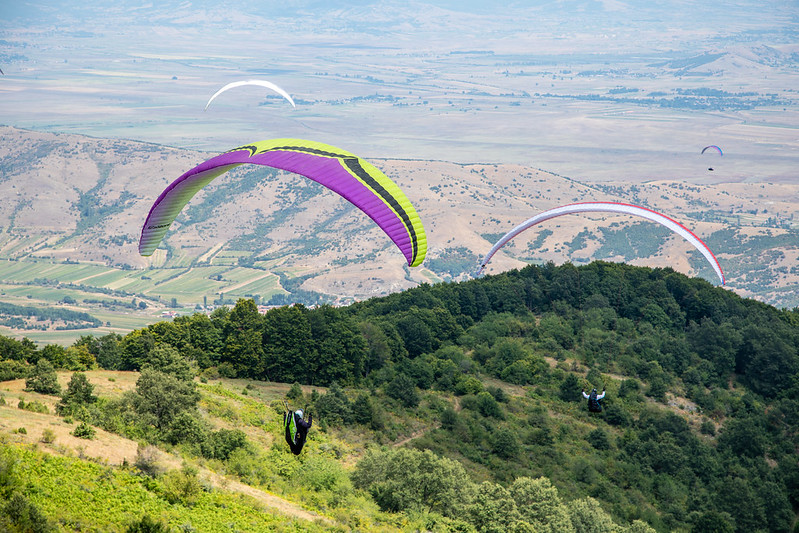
[{"x": 594, "y": 90}]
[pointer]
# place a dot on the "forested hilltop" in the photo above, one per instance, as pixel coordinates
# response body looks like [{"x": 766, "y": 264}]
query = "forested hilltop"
[{"x": 698, "y": 431}]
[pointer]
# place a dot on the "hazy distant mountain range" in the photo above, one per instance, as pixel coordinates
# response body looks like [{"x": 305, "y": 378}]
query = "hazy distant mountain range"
[
  {"x": 73, "y": 198},
  {"x": 587, "y": 89},
  {"x": 622, "y": 10}
]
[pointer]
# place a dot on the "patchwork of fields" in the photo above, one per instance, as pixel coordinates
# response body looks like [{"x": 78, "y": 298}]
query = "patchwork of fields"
[{"x": 124, "y": 299}]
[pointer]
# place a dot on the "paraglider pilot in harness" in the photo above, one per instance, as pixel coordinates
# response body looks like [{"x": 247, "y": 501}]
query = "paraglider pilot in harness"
[
  {"x": 593, "y": 400},
  {"x": 296, "y": 428}
]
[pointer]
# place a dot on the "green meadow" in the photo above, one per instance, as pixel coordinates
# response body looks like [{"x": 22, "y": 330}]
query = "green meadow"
[{"x": 125, "y": 299}]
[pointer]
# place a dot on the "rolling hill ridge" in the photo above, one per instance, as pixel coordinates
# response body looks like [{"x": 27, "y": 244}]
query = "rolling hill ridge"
[{"x": 77, "y": 199}]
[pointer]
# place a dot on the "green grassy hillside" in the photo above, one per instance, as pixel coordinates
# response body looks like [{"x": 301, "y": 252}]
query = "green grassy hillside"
[
  {"x": 73, "y": 244},
  {"x": 446, "y": 407}
]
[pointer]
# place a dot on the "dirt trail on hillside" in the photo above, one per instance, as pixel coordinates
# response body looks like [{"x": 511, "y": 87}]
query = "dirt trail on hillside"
[
  {"x": 109, "y": 448},
  {"x": 270, "y": 500},
  {"x": 112, "y": 449},
  {"x": 414, "y": 435},
  {"x": 419, "y": 432}
]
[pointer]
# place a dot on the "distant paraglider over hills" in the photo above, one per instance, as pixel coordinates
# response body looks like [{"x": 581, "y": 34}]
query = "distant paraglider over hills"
[
  {"x": 713, "y": 149},
  {"x": 610, "y": 207},
  {"x": 261, "y": 83}
]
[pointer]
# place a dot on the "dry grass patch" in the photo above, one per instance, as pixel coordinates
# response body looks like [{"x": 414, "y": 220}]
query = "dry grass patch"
[{"x": 105, "y": 447}]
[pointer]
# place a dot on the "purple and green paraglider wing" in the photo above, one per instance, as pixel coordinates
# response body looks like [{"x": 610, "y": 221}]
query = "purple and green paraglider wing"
[{"x": 353, "y": 178}]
